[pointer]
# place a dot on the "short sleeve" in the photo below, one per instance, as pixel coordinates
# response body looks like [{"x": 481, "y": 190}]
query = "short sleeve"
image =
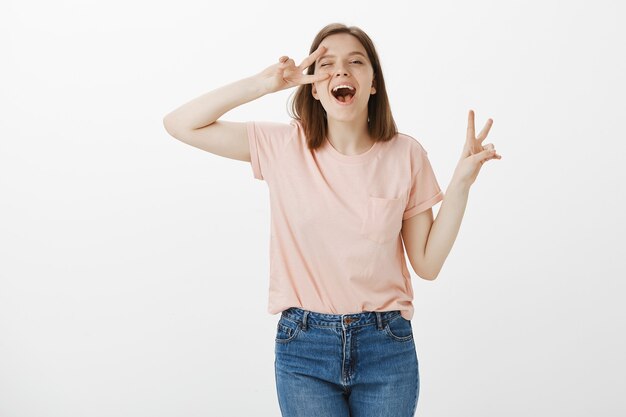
[
  {"x": 424, "y": 191},
  {"x": 267, "y": 141}
]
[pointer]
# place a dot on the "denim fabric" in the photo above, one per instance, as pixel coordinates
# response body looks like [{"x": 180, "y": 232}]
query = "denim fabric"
[{"x": 345, "y": 365}]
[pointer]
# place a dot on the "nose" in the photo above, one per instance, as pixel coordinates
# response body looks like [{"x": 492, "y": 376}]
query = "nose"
[{"x": 340, "y": 71}]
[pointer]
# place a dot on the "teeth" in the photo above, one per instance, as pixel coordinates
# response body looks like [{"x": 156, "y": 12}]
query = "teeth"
[{"x": 343, "y": 86}]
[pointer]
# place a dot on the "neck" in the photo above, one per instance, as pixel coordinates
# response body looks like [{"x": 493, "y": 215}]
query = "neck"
[{"x": 349, "y": 137}]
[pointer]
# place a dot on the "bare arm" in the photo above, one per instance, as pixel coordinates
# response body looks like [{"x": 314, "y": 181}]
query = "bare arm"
[
  {"x": 415, "y": 232},
  {"x": 429, "y": 242},
  {"x": 196, "y": 124},
  {"x": 206, "y": 109},
  {"x": 444, "y": 229}
]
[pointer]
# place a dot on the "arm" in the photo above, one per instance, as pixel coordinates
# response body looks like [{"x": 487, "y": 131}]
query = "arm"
[
  {"x": 429, "y": 242},
  {"x": 206, "y": 109},
  {"x": 196, "y": 122}
]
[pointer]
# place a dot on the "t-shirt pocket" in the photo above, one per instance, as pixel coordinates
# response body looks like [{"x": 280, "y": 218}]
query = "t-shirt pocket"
[{"x": 383, "y": 219}]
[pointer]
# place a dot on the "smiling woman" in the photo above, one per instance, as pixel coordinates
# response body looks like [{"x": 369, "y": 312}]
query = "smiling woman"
[
  {"x": 346, "y": 190},
  {"x": 353, "y": 117}
]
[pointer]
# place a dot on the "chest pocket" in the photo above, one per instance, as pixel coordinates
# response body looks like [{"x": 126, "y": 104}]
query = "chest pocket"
[{"x": 383, "y": 220}]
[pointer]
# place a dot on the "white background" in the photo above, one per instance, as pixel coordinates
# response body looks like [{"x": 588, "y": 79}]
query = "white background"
[{"x": 134, "y": 268}]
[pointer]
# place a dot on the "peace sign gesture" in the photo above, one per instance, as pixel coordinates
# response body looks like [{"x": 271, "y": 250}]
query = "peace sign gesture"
[
  {"x": 474, "y": 153},
  {"x": 286, "y": 74}
]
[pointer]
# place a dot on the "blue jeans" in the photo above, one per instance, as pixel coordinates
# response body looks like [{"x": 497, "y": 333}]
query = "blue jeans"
[{"x": 345, "y": 365}]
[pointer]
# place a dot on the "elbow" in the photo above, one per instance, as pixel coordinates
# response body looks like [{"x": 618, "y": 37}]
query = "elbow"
[
  {"x": 167, "y": 121},
  {"x": 427, "y": 275},
  {"x": 433, "y": 277},
  {"x": 434, "y": 274},
  {"x": 423, "y": 268},
  {"x": 169, "y": 126}
]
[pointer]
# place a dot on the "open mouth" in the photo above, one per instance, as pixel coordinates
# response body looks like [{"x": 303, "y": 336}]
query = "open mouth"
[{"x": 344, "y": 95}]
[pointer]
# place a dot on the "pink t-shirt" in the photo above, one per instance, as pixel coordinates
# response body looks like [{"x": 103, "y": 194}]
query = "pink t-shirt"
[{"x": 335, "y": 242}]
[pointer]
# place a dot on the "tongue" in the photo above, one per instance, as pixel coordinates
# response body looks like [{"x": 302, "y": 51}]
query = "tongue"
[{"x": 345, "y": 98}]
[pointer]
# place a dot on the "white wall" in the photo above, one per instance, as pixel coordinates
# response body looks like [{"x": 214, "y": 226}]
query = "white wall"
[{"x": 134, "y": 268}]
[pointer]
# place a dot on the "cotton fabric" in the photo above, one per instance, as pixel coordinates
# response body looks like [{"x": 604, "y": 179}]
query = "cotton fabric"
[{"x": 335, "y": 242}]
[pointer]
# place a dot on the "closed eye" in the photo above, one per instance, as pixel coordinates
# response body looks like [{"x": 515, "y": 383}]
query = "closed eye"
[{"x": 350, "y": 62}]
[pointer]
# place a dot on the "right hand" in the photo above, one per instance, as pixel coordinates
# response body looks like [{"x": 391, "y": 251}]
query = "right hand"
[{"x": 285, "y": 74}]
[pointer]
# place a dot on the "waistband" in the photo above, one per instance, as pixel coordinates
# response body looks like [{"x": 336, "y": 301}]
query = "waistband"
[{"x": 345, "y": 321}]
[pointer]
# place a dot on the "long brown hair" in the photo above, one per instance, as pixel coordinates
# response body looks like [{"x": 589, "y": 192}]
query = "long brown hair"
[{"x": 310, "y": 112}]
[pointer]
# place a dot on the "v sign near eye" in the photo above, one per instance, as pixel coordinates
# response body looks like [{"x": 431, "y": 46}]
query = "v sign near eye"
[{"x": 285, "y": 74}]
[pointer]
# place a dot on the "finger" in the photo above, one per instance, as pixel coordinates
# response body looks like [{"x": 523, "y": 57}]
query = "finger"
[
  {"x": 283, "y": 58},
  {"x": 491, "y": 147},
  {"x": 306, "y": 62},
  {"x": 485, "y": 131},
  {"x": 287, "y": 66},
  {"x": 484, "y": 155},
  {"x": 470, "y": 125},
  {"x": 313, "y": 78},
  {"x": 285, "y": 63},
  {"x": 476, "y": 147}
]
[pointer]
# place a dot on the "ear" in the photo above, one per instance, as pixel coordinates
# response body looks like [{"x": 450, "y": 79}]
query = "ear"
[
  {"x": 314, "y": 91},
  {"x": 373, "y": 88}
]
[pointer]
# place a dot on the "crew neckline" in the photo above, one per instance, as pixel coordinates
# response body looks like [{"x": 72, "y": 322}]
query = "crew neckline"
[{"x": 350, "y": 159}]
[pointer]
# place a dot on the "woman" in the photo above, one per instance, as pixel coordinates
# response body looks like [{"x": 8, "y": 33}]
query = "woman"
[{"x": 346, "y": 191}]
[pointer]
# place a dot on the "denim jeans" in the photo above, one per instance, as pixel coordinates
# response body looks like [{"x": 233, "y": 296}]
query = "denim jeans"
[{"x": 345, "y": 365}]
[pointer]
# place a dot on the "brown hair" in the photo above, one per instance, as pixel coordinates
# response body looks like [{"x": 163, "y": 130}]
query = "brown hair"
[{"x": 310, "y": 112}]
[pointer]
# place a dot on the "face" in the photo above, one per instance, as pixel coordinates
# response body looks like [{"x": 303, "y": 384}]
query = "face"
[{"x": 345, "y": 68}]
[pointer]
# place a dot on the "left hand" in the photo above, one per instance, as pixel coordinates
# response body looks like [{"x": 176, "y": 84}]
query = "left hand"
[{"x": 474, "y": 153}]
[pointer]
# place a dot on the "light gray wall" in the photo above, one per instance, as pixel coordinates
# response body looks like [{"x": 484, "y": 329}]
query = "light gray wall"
[{"x": 134, "y": 268}]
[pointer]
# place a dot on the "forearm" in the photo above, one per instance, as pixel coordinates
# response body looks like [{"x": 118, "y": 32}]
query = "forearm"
[
  {"x": 206, "y": 109},
  {"x": 445, "y": 228}
]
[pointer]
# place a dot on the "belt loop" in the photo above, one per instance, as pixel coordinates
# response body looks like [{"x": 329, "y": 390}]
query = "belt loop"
[
  {"x": 306, "y": 313},
  {"x": 379, "y": 320}
]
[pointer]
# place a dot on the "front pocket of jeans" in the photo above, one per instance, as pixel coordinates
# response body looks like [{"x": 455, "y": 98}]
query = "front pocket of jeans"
[
  {"x": 383, "y": 219},
  {"x": 399, "y": 329},
  {"x": 286, "y": 331}
]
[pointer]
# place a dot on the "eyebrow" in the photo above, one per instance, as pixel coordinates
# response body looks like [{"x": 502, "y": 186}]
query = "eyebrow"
[{"x": 332, "y": 56}]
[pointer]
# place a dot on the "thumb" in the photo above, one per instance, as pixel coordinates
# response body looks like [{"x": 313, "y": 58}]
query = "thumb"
[{"x": 484, "y": 154}]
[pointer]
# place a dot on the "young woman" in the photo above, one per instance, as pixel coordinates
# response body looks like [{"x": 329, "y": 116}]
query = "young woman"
[{"x": 346, "y": 192}]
